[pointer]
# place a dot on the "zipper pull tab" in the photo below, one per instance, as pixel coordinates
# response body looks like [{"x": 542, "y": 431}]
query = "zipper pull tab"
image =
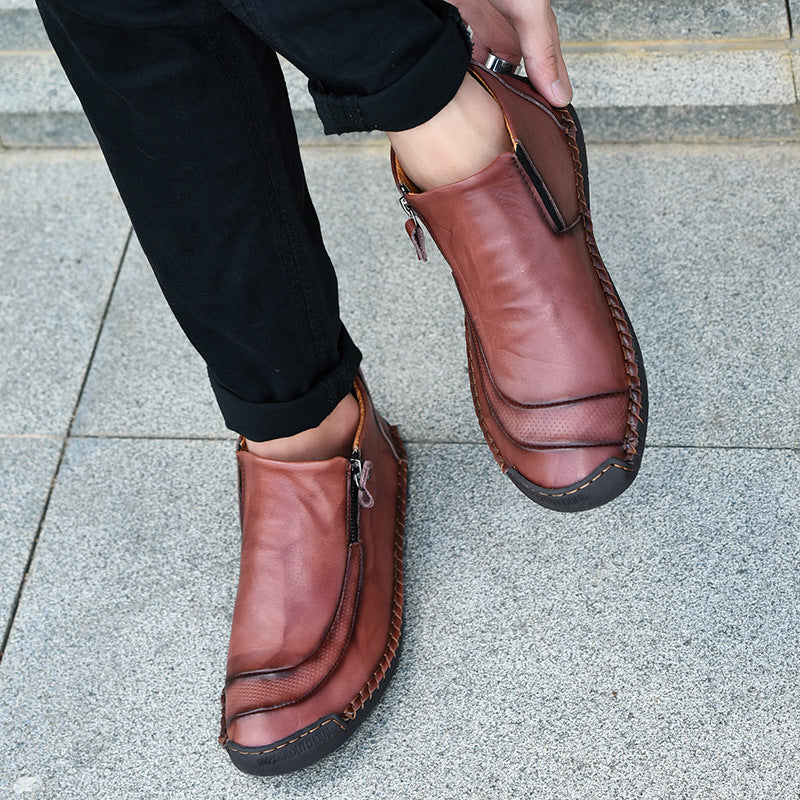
[
  {"x": 362, "y": 470},
  {"x": 413, "y": 228}
]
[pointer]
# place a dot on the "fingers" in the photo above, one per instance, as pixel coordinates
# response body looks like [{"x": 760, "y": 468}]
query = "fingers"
[
  {"x": 491, "y": 31},
  {"x": 544, "y": 63},
  {"x": 534, "y": 25},
  {"x": 526, "y": 28}
]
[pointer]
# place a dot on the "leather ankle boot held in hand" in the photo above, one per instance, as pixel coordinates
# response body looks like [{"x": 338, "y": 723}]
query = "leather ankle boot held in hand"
[
  {"x": 316, "y": 625},
  {"x": 556, "y": 372}
]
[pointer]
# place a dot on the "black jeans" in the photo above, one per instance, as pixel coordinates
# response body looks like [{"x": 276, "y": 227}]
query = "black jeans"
[{"x": 189, "y": 105}]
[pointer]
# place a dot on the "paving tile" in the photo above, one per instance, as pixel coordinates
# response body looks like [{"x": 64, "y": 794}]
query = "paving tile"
[
  {"x": 579, "y": 21},
  {"x": 697, "y": 124},
  {"x": 50, "y": 90},
  {"x": 796, "y": 66},
  {"x": 46, "y": 129},
  {"x": 643, "y": 77},
  {"x": 644, "y": 649},
  {"x": 702, "y": 242},
  {"x": 37, "y": 104},
  {"x": 633, "y": 20},
  {"x": 645, "y": 94},
  {"x": 64, "y": 229},
  {"x": 146, "y": 379},
  {"x": 27, "y": 467},
  {"x": 20, "y": 26}
]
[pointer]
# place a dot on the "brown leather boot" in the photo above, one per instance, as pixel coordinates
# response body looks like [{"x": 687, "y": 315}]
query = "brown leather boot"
[
  {"x": 557, "y": 377},
  {"x": 316, "y": 626}
]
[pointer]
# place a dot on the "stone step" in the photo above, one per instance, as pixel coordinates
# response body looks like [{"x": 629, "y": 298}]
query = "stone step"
[
  {"x": 673, "y": 71},
  {"x": 20, "y": 26},
  {"x": 670, "y": 20},
  {"x": 579, "y": 21}
]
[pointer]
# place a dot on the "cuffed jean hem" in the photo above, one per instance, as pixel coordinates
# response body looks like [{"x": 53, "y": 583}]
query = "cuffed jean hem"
[
  {"x": 417, "y": 97},
  {"x": 262, "y": 421}
]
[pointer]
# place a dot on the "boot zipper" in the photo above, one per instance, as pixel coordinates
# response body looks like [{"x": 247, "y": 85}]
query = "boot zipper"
[
  {"x": 360, "y": 472},
  {"x": 413, "y": 228}
]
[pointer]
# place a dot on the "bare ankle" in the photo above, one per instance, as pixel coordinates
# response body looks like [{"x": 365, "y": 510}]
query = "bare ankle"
[
  {"x": 461, "y": 140},
  {"x": 332, "y": 437}
]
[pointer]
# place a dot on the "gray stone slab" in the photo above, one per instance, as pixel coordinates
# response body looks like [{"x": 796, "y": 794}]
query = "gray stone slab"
[
  {"x": 37, "y": 105},
  {"x": 27, "y": 467},
  {"x": 34, "y": 82},
  {"x": 21, "y": 27},
  {"x": 646, "y": 93},
  {"x": 46, "y": 129},
  {"x": 633, "y": 20},
  {"x": 646, "y": 649},
  {"x": 718, "y": 124},
  {"x": 796, "y": 66},
  {"x": 654, "y": 77},
  {"x": 146, "y": 379},
  {"x": 579, "y": 21},
  {"x": 702, "y": 242},
  {"x": 64, "y": 230}
]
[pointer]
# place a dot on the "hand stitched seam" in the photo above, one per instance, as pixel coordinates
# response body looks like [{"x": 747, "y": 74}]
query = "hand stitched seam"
[
  {"x": 612, "y": 300},
  {"x": 357, "y": 703},
  {"x": 496, "y": 452},
  {"x": 583, "y": 485},
  {"x": 285, "y": 744}
]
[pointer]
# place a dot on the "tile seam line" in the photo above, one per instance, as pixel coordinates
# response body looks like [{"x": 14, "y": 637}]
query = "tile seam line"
[
  {"x": 409, "y": 440},
  {"x": 678, "y": 45},
  {"x": 12, "y": 615}
]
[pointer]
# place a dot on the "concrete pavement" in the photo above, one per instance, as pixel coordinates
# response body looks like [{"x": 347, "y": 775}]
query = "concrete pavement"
[{"x": 645, "y": 649}]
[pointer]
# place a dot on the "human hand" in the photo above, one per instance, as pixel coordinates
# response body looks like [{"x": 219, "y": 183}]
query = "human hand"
[{"x": 521, "y": 29}]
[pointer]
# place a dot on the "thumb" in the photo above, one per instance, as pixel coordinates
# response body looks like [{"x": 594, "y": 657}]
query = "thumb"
[{"x": 544, "y": 62}]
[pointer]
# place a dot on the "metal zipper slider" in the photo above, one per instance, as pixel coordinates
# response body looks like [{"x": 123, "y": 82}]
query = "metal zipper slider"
[
  {"x": 413, "y": 228},
  {"x": 361, "y": 472}
]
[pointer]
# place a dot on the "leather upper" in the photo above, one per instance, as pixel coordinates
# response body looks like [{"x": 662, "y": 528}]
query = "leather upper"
[
  {"x": 550, "y": 352},
  {"x": 316, "y": 619}
]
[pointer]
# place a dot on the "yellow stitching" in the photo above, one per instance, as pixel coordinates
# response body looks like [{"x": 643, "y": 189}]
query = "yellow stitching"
[
  {"x": 285, "y": 744},
  {"x": 583, "y": 485}
]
